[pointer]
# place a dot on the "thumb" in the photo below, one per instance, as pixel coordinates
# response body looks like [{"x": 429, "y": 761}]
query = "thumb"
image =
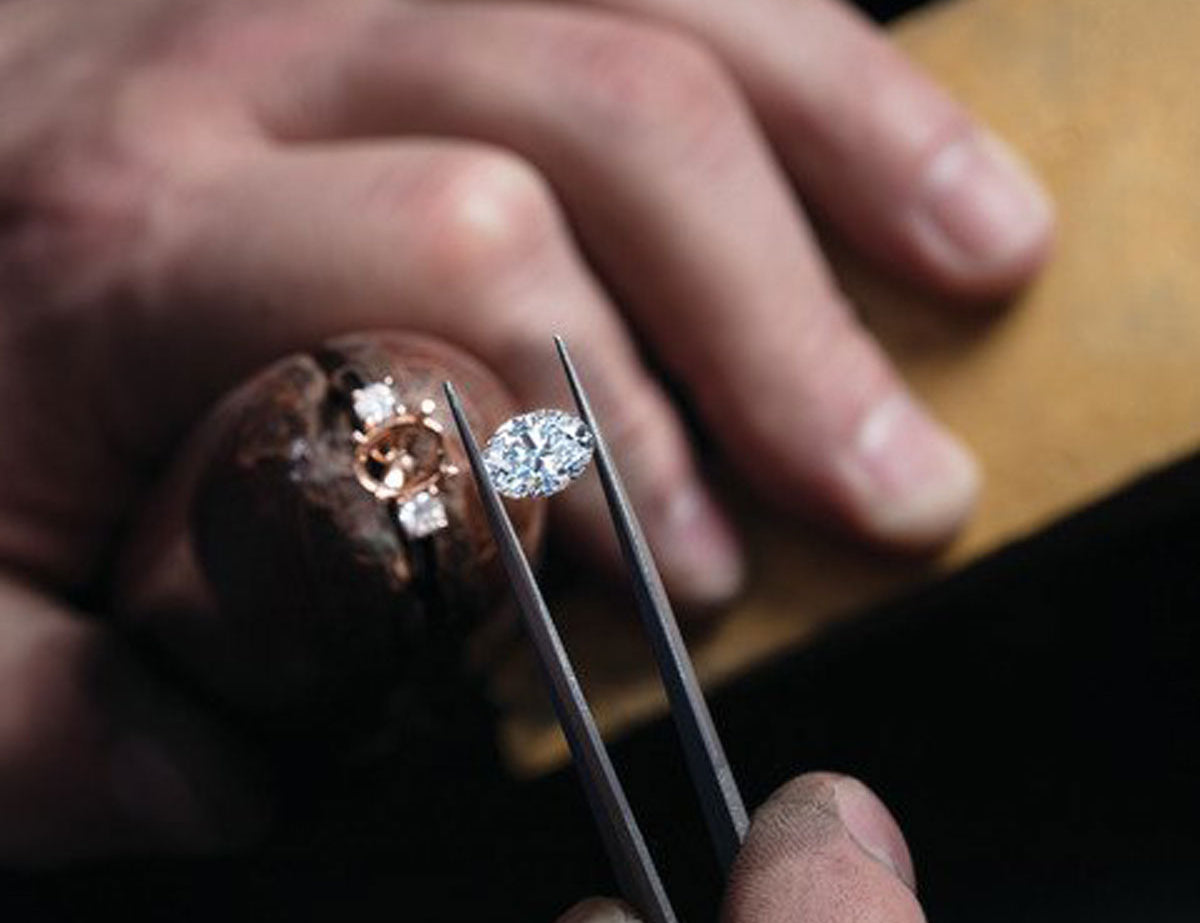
[
  {"x": 823, "y": 848},
  {"x": 598, "y": 910},
  {"x": 96, "y": 756}
]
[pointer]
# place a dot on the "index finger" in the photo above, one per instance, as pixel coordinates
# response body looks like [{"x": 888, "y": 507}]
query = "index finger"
[{"x": 900, "y": 167}]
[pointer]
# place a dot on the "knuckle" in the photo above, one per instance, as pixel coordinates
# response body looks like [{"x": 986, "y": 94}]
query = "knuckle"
[
  {"x": 838, "y": 363},
  {"x": 71, "y": 214},
  {"x": 80, "y": 172},
  {"x": 484, "y": 215},
  {"x": 45, "y": 691},
  {"x": 818, "y": 368},
  {"x": 634, "y": 78},
  {"x": 845, "y": 368}
]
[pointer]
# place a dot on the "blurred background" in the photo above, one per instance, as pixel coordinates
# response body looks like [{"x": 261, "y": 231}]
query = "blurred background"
[{"x": 1030, "y": 718}]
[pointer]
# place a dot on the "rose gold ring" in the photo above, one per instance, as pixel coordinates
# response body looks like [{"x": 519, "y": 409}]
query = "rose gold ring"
[{"x": 400, "y": 456}]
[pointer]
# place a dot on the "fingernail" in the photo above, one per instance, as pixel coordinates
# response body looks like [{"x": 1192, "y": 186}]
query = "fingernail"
[
  {"x": 698, "y": 553},
  {"x": 981, "y": 207},
  {"x": 873, "y": 828},
  {"x": 913, "y": 483},
  {"x": 598, "y": 910}
]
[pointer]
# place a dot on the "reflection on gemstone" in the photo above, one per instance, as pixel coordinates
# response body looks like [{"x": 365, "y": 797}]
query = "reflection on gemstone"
[
  {"x": 423, "y": 515},
  {"x": 538, "y": 453},
  {"x": 373, "y": 403}
]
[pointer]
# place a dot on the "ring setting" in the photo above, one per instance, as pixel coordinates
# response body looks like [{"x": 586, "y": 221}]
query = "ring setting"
[{"x": 400, "y": 457}]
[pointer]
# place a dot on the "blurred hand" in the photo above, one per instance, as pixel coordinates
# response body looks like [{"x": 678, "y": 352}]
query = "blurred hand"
[
  {"x": 824, "y": 849},
  {"x": 189, "y": 190}
]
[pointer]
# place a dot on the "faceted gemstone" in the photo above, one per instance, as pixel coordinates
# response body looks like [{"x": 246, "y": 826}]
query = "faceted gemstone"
[
  {"x": 373, "y": 403},
  {"x": 538, "y": 453},
  {"x": 422, "y": 515}
]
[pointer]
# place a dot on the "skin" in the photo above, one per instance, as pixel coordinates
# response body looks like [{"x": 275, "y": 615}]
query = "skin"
[
  {"x": 189, "y": 190},
  {"x": 823, "y": 849}
]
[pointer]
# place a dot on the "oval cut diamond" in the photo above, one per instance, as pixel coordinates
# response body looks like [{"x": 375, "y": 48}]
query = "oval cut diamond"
[{"x": 538, "y": 454}]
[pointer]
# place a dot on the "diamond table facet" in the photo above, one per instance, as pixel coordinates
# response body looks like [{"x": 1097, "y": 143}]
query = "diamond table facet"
[
  {"x": 537, "y": 454},
  {"x": 423, "y": 515},
  {"x": 374, "y": 403}
]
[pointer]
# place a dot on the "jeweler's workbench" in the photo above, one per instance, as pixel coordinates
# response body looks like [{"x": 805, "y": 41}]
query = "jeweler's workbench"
[{"x": 1085, "y": 383}]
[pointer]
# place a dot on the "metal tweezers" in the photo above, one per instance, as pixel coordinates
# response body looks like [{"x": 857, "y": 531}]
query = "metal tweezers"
[{"x": 720, "y": 800}]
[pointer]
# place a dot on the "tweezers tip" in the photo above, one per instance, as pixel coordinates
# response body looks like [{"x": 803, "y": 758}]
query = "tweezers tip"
[
  {"x": 458, "y": 414},
  {"x": 564, "y": 355}
]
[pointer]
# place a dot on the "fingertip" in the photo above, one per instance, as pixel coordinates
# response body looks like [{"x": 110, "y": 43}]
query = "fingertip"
[
  {"x": 873, "y": 828},
  {"x": 911, "y": 484},
  {"x": 599, "y": 910},
  {"x": 823, "y": 847},
  {"x": 981, "y": 220},
  {"x": 813, "y": 809}
]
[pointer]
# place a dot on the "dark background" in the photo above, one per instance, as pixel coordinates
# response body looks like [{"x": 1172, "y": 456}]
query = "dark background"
[
  {"x": 1032, "y": 723},
  {"x": 883, "y": 10}
]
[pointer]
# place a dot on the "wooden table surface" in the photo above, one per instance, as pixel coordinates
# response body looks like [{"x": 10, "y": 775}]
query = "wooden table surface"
[{"x": 1088, "y": 380}]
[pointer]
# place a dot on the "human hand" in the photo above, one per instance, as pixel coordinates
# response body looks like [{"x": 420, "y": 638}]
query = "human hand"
[
  {"x": 191, "y": 190},
  {"x": 823, "y": 849}
]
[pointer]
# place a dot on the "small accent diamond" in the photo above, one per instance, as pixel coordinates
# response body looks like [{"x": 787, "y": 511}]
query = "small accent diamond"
[
  {"x": 423, "y": 515},
  {"x": 373, "y": 403},
  {"x": 538, "y": 454}
]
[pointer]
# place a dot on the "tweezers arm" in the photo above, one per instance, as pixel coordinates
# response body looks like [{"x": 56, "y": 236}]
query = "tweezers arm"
[
  {"x": 720, "y": 800},
  {"x": 631, "y": 860}
]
